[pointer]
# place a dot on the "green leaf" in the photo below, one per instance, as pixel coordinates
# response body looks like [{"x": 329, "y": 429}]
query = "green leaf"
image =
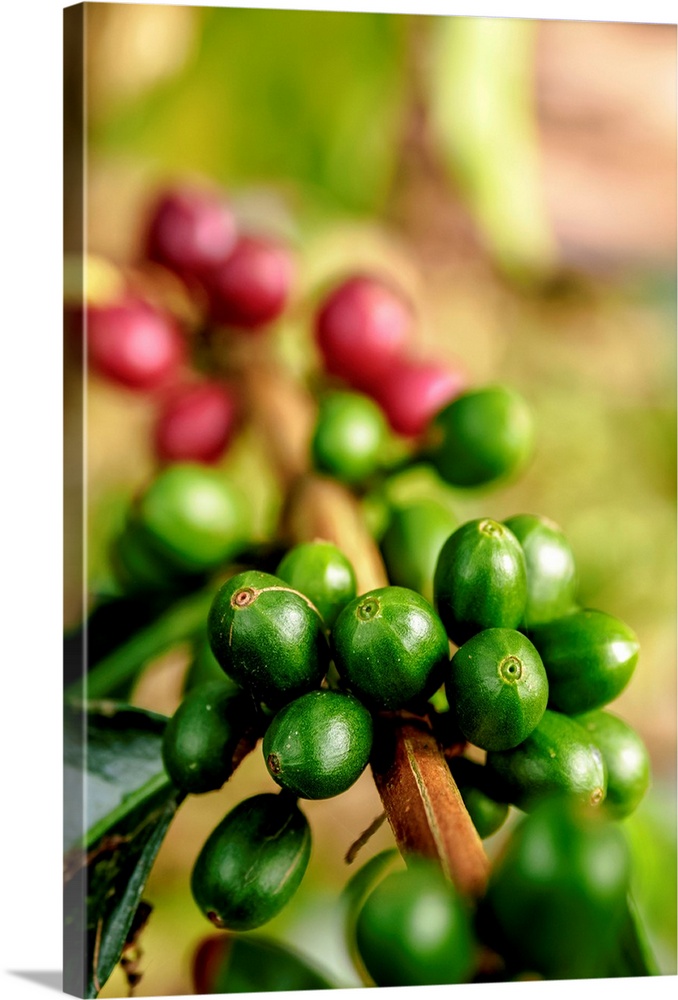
[
  {"x": 119, "y": 803},
  {"x": 185, "y": 619},
  {"x": 481, "y": 91}
]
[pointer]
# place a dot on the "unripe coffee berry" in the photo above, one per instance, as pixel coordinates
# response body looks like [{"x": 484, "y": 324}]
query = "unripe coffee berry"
[
  {"x": 322, "y": 572},
  {"x": 549, "y": 565}
]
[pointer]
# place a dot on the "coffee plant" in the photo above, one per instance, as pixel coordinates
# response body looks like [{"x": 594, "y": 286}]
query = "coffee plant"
[{"x": 449, "y": 658}]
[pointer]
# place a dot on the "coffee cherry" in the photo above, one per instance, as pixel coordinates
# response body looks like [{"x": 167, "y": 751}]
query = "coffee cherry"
[
  {"x": 252, "y": 863},
  {"x": 196, "y": 423},
  {"x": 238, "y": 963},
  {"x": 360, "y": 327},
  {"x": 482, "y": 436},
  {"x": 390, "y": 647},
  {"x": 487, "y": 814},
  {"x": 251, "y": 287},
  {"x": 549, "y": 563},
  {"x": 557, "y": 895},
  {"x": 202, "y": 736},
  {"x": 194, "y": 517},
  {"x": 190, "y": 231},
  {"x": 134, "y": 345},
  {"x": 350, "y": 437},
  {"x": 318, "y": 745},
  {"x": 497, "y": 688},
  {"x": 411, "y": 392},
  {"x": 268, "y": 637},
  {"x": 411, "y": 543},
  {"x": 414, "y": 930},
  {"x": 589, "y": 657},
  {"x": 323, "y": 573},
  {"x": 480, "y": 580},
  {"x": 558, "y": 758},
  {"x": 626, "y": 760}
]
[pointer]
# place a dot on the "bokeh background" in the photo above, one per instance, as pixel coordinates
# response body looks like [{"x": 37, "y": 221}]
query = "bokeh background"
[{"x": 518, "y": 179}]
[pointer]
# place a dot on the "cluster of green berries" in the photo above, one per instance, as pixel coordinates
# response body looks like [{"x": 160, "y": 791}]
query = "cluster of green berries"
[{"x": 307, "y": 663}]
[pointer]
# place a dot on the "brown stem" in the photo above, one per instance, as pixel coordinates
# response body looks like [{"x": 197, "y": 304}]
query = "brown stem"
[{"x": 423, "y": 804}]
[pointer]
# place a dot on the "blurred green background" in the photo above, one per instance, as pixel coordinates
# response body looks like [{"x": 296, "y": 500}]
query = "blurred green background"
[{"x": 517, "y": 178}]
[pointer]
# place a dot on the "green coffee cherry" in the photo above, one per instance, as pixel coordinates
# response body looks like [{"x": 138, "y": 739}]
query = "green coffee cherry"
[
  {"x": 194, "y": 517},
  {"x": 319, "y": 745},
  {"x": 252, "y": 863},
  {"x": 480, "y": 580},
  {"x": 626, "y": 759},
  {"x": 558, "y": 758},
  {"x": 549, "y": 562},
  {"x": 414, "y": 930},
  {"x": 412, "y": 542},
  {"x": 557, "y": 895},
  {"x": 350, "y": 438},
  {"x": 322, "y": 572},
  {"x": 202, "y": 736},
  {"x": 589, "y": 657},
  {"x": 390, "y": 647},
  {"x": 497, "y": 688},
  {"x": 487, "y": 814},
  {"x": 482, "y": 436},
  {"x": 242, "y": 963},
  {"x": 268, "y": 637}
]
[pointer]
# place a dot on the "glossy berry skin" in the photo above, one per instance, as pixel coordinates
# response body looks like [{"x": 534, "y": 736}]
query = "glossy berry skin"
[
  {"x": 589, "y": 658},
  {"x": 480, "y": 580},
  {"x": 626, "y": 760},
  {"x": 360, "y": 327},
  {"x": 497, "y": 688},
  {"x": 559, "y": 758},
  {"x": 487, "y": 814},
  {"x": 411, "y": 392},
  {"x": 194, "y": 517},
  {"x": 350, "y": 436},
  {"x": 414, "y": 930},
  {"x": 190, "y": 231},
  {"x": 268, "y": 637},
  {"x": 390, "y": 647},
  {"x": 322, "y": 572},
  {"x": 482, "y": 436},
  {"x": 196, "y": 423},
  {"x": 557, "y": 894},
  {"x": 411, "y": 543},
  {"x": 251, "y": 287},
  {"x": 252, "y": 863},
  {"x": 134, "y": 345},
  {"x": 201, "y": 737},
  {"x": 318, "y": 745},
  {"x": 549, "y": 562}
]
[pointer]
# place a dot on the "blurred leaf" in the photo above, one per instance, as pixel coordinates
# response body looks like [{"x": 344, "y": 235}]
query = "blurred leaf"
[
  {"x": 306, "y": 97},
  {"x": 119, "y": 804},
  {"x": 483, "y": 117}
]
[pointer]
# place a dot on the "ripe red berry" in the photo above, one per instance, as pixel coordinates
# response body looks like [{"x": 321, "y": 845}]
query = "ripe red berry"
[
  {"x": 251, "y": 287},
  {"x": 412, "y": 391},
  {"x": 133, "y": 344},
  {"x": 196, "y": 423},
  {"x": 360, "y": 328},
  {"x": 190, "y": 231}
]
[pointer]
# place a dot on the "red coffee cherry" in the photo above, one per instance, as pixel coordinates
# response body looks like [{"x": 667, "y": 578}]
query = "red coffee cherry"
[
  {"x": 360, "y": 328},
  {"x": 412, "y": 391},
  {"x": 134, "y": 344},
  {"x": 190, "y": 231},
  {"x": 196, "y": 422},
  {"x": 251, "y": 287}
]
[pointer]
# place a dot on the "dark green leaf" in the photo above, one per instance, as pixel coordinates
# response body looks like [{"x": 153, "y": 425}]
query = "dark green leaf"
[{"x": 119, "y": 803}]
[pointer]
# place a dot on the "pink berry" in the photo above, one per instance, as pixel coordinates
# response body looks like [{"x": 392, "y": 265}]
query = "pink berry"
[
  {"x": 360, "y": 327},
  {"x": 251, "y": 287},
  {"x": 190, "y": 231},
  {"x": 413, "y": 391},
  {"x": 133, "y": 344},
  {"x": 196, "y": 423}
]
